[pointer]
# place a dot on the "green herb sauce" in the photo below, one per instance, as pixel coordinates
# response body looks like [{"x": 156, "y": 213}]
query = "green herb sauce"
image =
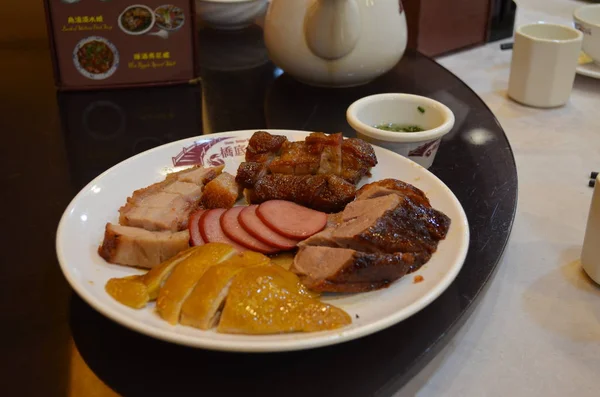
[{"x": 399, "y": 127}]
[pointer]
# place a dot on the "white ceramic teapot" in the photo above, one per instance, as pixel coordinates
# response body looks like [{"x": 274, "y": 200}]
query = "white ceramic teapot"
[{"x": 337, "y": 43}]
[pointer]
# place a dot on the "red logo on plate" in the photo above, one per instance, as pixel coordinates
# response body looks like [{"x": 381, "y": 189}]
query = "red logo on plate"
[
  {"x": 210, "y": 152},
  {"x": 425, "y": 150}
]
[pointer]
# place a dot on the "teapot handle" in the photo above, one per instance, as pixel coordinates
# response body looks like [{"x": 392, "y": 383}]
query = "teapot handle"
[{"x": 332, "y": 28}]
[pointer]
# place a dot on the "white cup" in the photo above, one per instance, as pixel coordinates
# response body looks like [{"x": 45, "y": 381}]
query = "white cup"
[
  {"x": 543, "y": 65},
  {"x": 590, "y": 253},
  {"x": 587, "y": 19}
]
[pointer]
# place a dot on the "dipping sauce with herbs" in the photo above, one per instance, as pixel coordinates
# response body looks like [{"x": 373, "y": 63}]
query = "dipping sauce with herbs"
[{"x": 399, "y": 127}]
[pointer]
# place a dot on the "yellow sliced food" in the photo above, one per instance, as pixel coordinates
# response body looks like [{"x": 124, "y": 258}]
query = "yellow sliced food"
[
  {"x": 130, "y": 291},
  {"x": 263, "y": 301},
  {"x": 287, "y": 279},
  {"x": 284, "y": 259},
  {"x": 184, "y": 277},
  {"x": 156, "y": 276},
  {"x": 201, "y": 308}
]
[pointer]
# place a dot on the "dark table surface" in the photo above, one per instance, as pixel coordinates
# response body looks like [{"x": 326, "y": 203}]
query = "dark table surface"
[{"x": 54, "y": 344}]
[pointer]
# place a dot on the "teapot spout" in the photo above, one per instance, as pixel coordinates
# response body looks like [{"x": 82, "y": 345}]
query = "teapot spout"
[{"x": 332, "y": 28}]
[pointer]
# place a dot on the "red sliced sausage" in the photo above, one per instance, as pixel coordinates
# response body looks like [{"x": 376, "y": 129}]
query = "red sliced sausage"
[
  {"x": 232, "y": 229},
  {"x": 210, "y": 228},
  {"x": 290, "y": 219},
  {"x": 194, "y": 228},
  {"x": 253, "y": 225}
]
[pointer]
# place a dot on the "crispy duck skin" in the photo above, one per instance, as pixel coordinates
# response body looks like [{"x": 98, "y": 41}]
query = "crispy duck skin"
[
  {"x": 400, "y": 226},
  {"x": 263, "y": 146},
  {"x": 392, "y": 186},
  {"x": 328, "y": 193},
  {"x": 388, "y": 231}
]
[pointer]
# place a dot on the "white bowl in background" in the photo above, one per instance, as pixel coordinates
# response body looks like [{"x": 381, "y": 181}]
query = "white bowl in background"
[
  {"x": 587, "y": 20},
  {"x": 230, "y": 14},
  {"x": 434, "y": 117}
]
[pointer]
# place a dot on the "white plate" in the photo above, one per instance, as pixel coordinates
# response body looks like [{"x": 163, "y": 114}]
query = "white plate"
[
  {"x": 589, "y": 69},
  {"x": 82, "y": 226}
]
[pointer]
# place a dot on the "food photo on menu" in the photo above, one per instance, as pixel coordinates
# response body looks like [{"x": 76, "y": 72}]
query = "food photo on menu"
[
  {"x": 300, "y": 198},
  {"x": 115, "y": 44}
]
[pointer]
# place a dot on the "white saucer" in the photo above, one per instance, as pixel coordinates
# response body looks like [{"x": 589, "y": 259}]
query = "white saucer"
[{"x": 589, "y": 69}]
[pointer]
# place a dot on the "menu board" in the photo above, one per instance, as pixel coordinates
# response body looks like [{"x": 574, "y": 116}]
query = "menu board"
[{"x": 109, "y": 43}]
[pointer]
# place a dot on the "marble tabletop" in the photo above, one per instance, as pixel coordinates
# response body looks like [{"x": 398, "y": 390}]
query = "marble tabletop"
[{"x": 536, "y": 331}]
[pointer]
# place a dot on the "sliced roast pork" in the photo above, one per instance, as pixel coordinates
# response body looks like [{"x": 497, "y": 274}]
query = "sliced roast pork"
[
  {"x": 221, "y": 192},
  {"x": 154, "y": 219},
  {"x": 167, "y": 205},
  {"x": 197, "y": 175},
  {"x": 132, "y": 246}
]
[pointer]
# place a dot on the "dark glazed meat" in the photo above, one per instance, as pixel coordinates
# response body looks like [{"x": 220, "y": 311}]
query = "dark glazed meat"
[
  {"x": 295, "y": 159},
  {"x": 344, "y": 270},
  {"x": 374, "y": 241},
  {"x": 249, "y": 173},
  {"x": 329, "y": 147},
  {"x": 404, "y": 227},
  {"x": 358, "y": 158},
  {"x": 339, "y": 164},
  {"x": 263, "y": 146},
  {"x": 392, "y": 186},
  {"x": 327, "y": 193}
]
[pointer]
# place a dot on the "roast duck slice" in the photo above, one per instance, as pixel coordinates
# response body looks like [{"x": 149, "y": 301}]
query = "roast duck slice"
[{"x": 388, "y": 231}]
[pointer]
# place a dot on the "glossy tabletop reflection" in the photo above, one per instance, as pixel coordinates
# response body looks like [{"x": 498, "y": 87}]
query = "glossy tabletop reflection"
[{"x": 54, "y": 344}]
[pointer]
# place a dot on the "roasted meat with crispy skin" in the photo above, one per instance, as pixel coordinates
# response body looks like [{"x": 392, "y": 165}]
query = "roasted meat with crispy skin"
[
  {"x": 221, "y": 192},
  {"x": 132, "y": 246},
  {"x": 250, "y": 172},
  {"x": 328, "y": 193},
  {"x": 295, "y": 159},
  {"x": 320, "y": 172},
  {"x": 330, "y": 149},
  {"x": 358, "y": 158},
  {"x": 392, "y": 186},
  {"x": 388, "y": 231},
  {"x": 153, "y": 222},
  {"x": 166, "y": 205},
  {"x": 329, "y": 269},
  {"x": 264, "y": 146}
]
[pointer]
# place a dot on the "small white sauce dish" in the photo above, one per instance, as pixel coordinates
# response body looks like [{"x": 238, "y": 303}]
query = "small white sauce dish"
[
  {"x": 587, "y": 20},
  {"x": 230, "y": 14},
  {"x": 404, "y": 109}
]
